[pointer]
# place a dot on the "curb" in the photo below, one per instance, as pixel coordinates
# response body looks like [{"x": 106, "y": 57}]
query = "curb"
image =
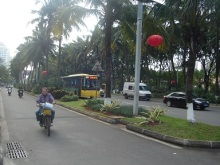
[{"x": 169, "y": 139}]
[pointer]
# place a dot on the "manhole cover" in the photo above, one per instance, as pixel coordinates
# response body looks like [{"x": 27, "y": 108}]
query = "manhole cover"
[{"x": 15, "y": 150}]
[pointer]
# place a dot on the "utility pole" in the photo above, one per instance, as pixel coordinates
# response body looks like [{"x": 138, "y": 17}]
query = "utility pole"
[{"x": 138, "y": 54}]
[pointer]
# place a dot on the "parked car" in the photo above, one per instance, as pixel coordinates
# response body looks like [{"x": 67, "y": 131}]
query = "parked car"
[{"x": 179, "y": 99}]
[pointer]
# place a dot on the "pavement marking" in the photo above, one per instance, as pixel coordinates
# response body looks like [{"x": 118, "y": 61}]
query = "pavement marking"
[
  {"x": 71, "y": 110},
  {"x": 152, "y": 139},
  {"x": 84, "y": 115},
  {"x": 99, "y": 121},
  {"x": 4, "y": 128}
]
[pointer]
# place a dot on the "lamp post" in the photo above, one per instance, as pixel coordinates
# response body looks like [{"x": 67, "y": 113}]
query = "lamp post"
[
  {"x": 138, "y": 57},
  {"x": 138, "y": 53}
]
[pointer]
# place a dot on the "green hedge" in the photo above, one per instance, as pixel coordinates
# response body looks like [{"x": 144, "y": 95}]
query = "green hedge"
[
  {"x": 58, "y": 94},
  {"x": 68, "y": 98},
  {"x": 123, "y": 110}
]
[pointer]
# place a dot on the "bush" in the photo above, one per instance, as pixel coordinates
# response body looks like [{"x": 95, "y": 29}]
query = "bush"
[
  {"x": 153, "y": 115},
  {"x": 124, "y": 110},
  {"x": 68, "y": 98},
  {"x": 91, "y": 102},
  {"x": 206, "y": 95},
  {"x": 96, "y": 107},
  {"x": 36, "y": 89},
  {"x": 110, "y": 107},
  {"x": 127, "y": 111},
  {"x": 58, "y": 94}
]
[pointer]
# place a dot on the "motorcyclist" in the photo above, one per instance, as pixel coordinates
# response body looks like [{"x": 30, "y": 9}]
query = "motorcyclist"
[
  {"x": 20, "y": 91},
  {"x": 9, "y": 90},
  {"x": 44, "y": 97}
]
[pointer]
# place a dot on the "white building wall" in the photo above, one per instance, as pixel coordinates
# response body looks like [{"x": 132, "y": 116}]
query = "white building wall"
[{"x": 5, "y": 54}]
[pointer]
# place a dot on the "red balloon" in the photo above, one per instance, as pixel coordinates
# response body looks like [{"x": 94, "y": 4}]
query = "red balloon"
[
  {"x": 155, "y": 40},
  {"x": 44, "y": 72}
]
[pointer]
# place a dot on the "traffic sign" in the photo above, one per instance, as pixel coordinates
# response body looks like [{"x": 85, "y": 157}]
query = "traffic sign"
[{"x": 97, "y": 67}]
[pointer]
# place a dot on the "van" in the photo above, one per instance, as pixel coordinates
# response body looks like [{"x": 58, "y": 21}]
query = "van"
[{"x": 128, "y": 91}]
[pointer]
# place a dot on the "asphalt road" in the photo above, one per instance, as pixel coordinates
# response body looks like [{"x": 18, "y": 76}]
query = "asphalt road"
[
  {"x": 79, "y": 140},
  {"x": 210, "y": 115}
]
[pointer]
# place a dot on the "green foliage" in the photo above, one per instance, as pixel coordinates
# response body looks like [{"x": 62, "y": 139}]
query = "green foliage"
[
  {"x": 124, "y": 110},
  {"x": 36, "y": 89},
  {"x": 140, "y": 110},
  {"x": 96, "y": 107},
  {"x": 152, "y": 115},
  {"x": 68, "y": 98},
  {"x": 110, "y": 107},
  {"x": 58, "y": 94},
  {"x": 91, "y": 102},
  {"x": 200, "y": 92}
]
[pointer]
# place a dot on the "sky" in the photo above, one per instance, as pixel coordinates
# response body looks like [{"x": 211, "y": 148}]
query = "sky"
[{"x": 15, "y": 16}]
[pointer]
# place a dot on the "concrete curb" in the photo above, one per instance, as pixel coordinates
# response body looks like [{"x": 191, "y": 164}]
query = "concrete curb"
[{"x": 169, "y": 139}]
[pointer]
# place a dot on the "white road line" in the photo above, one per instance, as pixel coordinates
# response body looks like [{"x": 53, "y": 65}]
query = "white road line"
[
  {"x": 83, "y": 115},
  {"x": 4, "y": 134},
  {"x": 71, "y": 110},
  {"x": 4, "y": 128},
  {"x": 149, "y": 138},
  {"x": 99, "y": 121}
]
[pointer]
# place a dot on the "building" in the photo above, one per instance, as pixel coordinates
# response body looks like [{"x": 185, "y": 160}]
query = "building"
[{"x": 4, "y": 54}]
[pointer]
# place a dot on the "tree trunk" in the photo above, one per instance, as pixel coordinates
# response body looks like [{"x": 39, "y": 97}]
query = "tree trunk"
[
  {"x": 217, "y": 64},
  {"x": 184, "y": 65},
  {"x": 190, "y": 71},
  {"x": 59, "y": 61},
  {"x": 108, "y": 56}
]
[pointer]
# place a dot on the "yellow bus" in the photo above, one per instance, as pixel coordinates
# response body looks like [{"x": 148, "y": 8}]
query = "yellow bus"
[{"x": 83, "y": 85}]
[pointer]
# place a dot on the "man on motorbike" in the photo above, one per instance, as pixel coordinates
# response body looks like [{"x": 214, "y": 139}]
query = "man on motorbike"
[
  {"x": 20, "y": 91},
  {"x": 43, "y": 98},
  {"x": 9, "y": 90}
]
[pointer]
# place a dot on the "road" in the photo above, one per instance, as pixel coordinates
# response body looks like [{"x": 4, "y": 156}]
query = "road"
[
  {"x": 210, "y": 115},
  {"x": 80, "y": 140}
]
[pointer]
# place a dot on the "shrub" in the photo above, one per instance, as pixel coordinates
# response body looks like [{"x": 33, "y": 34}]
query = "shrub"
[
  {"x": 36, "y": 89},
  {"x": 200, "y": 92},
  {"x": 68, "y": 98},
  {"x": 124, "y": 110},
  {"x": 96, "y": 107},
  {"x": 153, "y": 115},
  {"x": 58, "y": 94},
  {"x": 110, "y": 107},
  {"x": 91, "y": 102}
]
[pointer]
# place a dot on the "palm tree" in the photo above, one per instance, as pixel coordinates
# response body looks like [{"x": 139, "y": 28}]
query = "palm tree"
[
  {"x": 110, "y": 11},
  {"x": 60, "y": 17}
]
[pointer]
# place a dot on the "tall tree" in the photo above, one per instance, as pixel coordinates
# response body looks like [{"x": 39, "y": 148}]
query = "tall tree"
[{"x": 110, "y": 11}]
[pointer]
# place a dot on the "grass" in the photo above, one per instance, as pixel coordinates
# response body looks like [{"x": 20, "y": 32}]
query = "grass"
[
  {"x": 181, "y": 128},
  {"x": 170, "y": 126},
  {"x": 75, "y": 104}
]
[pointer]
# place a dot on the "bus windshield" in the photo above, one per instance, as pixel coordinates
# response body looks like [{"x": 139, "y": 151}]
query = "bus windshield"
[{"x": 90, "y": 84}]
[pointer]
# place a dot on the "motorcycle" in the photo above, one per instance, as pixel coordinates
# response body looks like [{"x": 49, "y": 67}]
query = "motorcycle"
[
  {"x": 9, "y": 91},
  {"x": 45, "y": 116},
  {"x": 20, "y": 93}
]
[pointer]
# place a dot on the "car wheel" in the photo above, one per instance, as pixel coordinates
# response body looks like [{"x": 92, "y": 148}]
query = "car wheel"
[{"x": 169, "y": 103}]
